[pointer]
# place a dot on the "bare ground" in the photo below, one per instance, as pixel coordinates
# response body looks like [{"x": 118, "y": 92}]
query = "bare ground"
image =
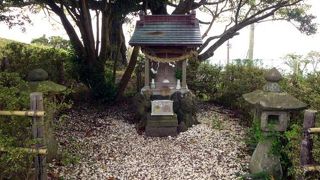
[{"x": 106, "y": 146}]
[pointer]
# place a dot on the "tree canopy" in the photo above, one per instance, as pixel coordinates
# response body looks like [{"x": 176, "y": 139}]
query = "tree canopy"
[{"x": 53, "y": 41}]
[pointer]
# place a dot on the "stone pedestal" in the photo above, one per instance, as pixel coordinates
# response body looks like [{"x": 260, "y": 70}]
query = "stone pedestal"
[
  {"x": 161, "y": 126},
  {"x": 263, "y": 160}
]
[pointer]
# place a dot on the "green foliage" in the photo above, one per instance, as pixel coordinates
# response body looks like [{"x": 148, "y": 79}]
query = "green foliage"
[
  {"x": 216, "y": 123},
  {"x": 254, "y": 135},
  {"x": 10, "y": 91},
  {"x": 178, "y": 73},
  {"x": 13, "y": 131},
  {"x": 96, "y": 77},
  {"x": 237, "y": 80},
  {"x": 306, "y": 88},
  {"x": 226, "y": 86},
  {"x": 41, "y": 40},
  {"x": 292, "y": 149},
  {"x": 204, "y": 81},
  {"x": 304, "y": 20},
  {"x": 53, "y": 41},
  {"x": 16, "y": 131},
  {"x": 69, "y": 158},
  {"x": 24, "y": 58}
]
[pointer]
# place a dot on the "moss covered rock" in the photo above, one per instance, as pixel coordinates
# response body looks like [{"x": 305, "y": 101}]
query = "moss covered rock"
[
  {"x": 37, "y": 75},
  {"x": 185, "y": 106},
  {"x": 188, "y": 103},
  {"x": 142, "y": 105},
  {"x": 46, "y": 86}
]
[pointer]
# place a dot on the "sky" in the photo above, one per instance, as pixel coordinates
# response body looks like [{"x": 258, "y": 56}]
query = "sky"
[{"x": 273, "y": 40}]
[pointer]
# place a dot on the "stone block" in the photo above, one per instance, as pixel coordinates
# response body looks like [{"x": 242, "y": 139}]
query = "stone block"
[
  {"x": 162, "y": 121},
  {"x": 161, "y": 126},
  {"x": 263, "y": 160},
  {"x": 161, "y": 131}
]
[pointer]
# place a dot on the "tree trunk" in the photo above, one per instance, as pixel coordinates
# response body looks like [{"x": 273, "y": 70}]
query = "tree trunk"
[
  {"x": 127, "y": 74},
  {"x": 117, "y": 40},
  {"x": 93, "y": 75}
]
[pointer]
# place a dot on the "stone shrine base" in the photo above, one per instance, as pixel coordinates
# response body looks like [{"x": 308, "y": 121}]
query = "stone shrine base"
[{"x": 161, "y": 126}]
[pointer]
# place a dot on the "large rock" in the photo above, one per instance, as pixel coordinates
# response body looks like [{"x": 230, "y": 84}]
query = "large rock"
[
  {"x": 185, "y": 106},
  {"x": 37, "y": 75},
  {"x": 188, "y": 103},
  {"x": 182, "y": 127},
  {"x": 142, "y": 104},
  {"x": 176, "y": 98},
  {"x": 189, "y": 119},
  {"x": 263, "y": 160}
]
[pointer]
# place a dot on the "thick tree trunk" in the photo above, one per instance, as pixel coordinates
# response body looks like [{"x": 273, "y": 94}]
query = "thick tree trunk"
[
  {"x": 117, "y": 40},
  {"x": 127, "y": 74},
  {"x": 93, "y": 75}
]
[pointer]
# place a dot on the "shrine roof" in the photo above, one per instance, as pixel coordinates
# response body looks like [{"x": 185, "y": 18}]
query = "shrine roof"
[{"x": 163, "y": 30}]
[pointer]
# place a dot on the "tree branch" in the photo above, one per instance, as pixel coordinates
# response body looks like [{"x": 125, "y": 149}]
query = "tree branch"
[
  {"x": 86, "y": 30},
  {"x": 74, "y": 39},
  {"x": 232, "y": 31}
]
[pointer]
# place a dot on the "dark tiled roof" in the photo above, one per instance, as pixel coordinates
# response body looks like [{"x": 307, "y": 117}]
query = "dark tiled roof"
[{"x": 162, "y": 30}]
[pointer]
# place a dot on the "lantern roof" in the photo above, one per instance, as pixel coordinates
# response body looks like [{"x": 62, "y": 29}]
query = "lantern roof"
[
  {"x": 271, "y": 97},
  {"x": 167, "y": 30}
]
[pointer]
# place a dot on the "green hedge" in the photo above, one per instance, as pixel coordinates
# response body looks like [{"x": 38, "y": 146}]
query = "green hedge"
[
  {"x": 13, "y": 130},
  {"x": 25, "y": 57}
]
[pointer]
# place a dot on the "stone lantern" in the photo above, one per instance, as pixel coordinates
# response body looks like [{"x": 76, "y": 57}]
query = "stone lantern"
[{"x": 272, "y": 107}]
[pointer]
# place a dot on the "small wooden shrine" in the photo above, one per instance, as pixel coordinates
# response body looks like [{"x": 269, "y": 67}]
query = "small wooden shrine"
[{"x": 167, "y": 42}]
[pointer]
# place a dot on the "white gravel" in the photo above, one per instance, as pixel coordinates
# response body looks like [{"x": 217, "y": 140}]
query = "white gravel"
[{"x": 110, "y": 148}]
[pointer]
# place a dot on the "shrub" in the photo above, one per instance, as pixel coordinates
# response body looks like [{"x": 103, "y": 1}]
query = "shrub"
[
  {"x": 24, "y": 58},
  {"x": 16, "y": 131},
  {"x": 305, "y": 88},
  {"x": 237, "y": 80},
  {"x": 205, "y": 81},
  {"x": 13, "y": 131}
]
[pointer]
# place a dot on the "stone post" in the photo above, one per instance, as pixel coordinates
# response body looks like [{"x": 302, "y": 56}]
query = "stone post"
[
  {"x": 146, "y": 74},
  {"x": 36, "y": 104},
  {"x": 306, "y": 144},
  {"x": 184, "y": 75}
]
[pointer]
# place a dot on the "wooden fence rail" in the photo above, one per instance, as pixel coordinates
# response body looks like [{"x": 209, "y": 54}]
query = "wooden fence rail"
[
  {"x": 37, "y": 114},
  {"x": 306, "y": 160},
  {"x": 22, "y": 113}
]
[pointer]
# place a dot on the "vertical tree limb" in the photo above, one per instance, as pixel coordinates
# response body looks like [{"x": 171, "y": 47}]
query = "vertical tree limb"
[{"x": 127, "y": 74}]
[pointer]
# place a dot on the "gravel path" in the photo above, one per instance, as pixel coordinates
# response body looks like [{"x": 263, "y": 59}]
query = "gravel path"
[{"x": 110, "y": 148}]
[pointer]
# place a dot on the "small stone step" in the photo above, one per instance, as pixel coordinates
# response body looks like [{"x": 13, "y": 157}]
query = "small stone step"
[
  {"x": 161, "y": 126},
  {"x": 161, "y": 131}
]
